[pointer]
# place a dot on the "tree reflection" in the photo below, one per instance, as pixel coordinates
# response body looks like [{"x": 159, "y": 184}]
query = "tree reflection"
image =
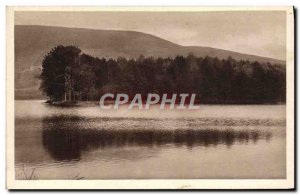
[{"x": 65, "y": 140}]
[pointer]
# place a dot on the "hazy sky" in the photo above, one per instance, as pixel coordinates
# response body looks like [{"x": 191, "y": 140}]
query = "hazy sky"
[{"x": 260, "y": 33}]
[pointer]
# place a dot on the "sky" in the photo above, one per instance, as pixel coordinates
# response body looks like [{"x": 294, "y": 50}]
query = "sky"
[{"x": 260, "y": 33}]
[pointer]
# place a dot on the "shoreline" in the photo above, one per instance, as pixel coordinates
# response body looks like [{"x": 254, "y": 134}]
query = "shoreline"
[{"x": 109, "y": 102}]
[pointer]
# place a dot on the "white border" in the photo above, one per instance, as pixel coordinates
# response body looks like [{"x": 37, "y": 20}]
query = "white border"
[{"x": 150, "y": 184}]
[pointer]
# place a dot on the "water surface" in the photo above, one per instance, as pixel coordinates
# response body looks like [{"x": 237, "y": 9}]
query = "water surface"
[{"x": 85, "y": 142}]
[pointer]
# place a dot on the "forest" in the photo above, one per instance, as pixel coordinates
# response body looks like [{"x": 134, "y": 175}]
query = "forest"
[{"x": 70, "y": 75}]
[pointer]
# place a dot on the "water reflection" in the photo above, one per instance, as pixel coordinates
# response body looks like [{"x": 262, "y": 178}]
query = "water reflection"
[{"x": 66, "y": 141}]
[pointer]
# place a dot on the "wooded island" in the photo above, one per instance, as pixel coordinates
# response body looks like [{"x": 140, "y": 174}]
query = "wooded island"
[{"x": 68, "y": 75}]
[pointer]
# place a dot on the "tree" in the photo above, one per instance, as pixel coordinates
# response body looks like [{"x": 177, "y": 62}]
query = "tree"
[
  {"x": 69, "y": 75},
  {"x": 58, "y": 69}
]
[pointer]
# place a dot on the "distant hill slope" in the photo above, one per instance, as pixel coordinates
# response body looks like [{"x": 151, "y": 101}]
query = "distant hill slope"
[{"x": 33, "y": 42}]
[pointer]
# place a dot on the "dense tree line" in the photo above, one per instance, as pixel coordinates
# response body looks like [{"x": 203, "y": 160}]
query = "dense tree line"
[{"x": 68, "y": 74}]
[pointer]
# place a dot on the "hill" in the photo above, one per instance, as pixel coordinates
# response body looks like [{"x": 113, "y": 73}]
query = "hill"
[{"x": 33, "y": 42}]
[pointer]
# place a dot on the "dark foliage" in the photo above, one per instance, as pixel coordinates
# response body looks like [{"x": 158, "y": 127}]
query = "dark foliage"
[{"x": 69, "y": 75}]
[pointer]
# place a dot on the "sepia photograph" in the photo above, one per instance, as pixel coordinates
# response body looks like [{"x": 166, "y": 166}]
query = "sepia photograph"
[{"x": 150, "y": 98}]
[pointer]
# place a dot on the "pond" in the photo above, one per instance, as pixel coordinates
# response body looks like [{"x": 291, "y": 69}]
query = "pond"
[{"x": 85, "y": 142}]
